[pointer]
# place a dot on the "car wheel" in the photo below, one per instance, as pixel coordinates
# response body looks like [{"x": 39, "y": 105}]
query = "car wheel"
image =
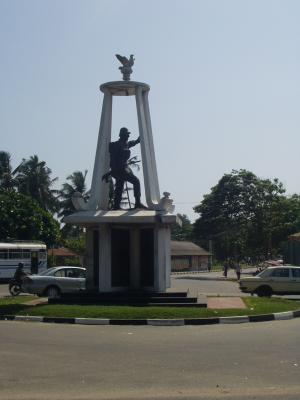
[
  {"x": 264, "y": 291},
  {"x": 53, "y": 292}
]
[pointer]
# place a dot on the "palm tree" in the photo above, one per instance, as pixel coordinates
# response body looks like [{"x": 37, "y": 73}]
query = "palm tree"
[
  {"x": 7, "y": 180},
  {"x": 34, "y": 180},
  {"x": 77, "y": 184}
]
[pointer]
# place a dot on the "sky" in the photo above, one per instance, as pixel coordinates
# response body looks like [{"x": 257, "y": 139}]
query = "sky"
[{"x": 224, "y": 78}]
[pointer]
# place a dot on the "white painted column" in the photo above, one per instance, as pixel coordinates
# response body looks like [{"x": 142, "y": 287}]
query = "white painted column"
[
  {"x": 104, "y": 258},
  {"x": 151, "y": 184},
  {"x": 158, "y": 275},
  {"x": 89, "y": 261},
  {"x": 100, "y": 190},
  {"x": 156, "y": 192},
  {"x": 167, "y": 239}
]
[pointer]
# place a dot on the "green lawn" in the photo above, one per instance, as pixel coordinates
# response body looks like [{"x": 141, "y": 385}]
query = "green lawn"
[{"x": 255, "y": 305}]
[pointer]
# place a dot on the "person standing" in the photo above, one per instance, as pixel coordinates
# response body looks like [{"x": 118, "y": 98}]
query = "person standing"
[
  {"x": 209, "y": 266},
  {"x": 238, "y": 270},
  {"x": 225, "y": 268}
]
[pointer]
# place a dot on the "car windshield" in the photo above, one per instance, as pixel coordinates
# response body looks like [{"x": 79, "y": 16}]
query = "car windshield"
[
  {"x": 49, "y": 271},
  {"x": 264, "y": 273},
  {"x": 62, "y": 272}
]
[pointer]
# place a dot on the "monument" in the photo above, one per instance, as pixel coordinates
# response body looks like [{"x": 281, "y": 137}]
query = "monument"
[{"x": 125, "y": 249}]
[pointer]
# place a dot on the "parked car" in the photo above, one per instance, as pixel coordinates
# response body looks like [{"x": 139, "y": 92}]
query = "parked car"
[
  {"x": 273, "y": 280},
  {"x": 54, "y": 281}
]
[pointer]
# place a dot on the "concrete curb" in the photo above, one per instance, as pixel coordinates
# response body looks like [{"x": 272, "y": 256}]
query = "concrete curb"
[
  {"x": 234, "y": 320},
  {"x": 239, "y": 319}
]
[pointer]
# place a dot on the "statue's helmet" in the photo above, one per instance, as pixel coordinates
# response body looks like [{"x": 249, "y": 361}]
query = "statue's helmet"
[{"x": 124, "y": 132}]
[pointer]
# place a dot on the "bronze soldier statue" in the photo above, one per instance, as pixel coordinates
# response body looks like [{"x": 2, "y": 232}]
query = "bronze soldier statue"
[{"x": 120, "y": 170}]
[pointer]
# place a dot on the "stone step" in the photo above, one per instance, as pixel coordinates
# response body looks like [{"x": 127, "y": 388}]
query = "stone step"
[
  {"x": 133, "y": 303},
  {"x": 122, "y": 300},
  {"x": 124, "y": 294},
  {"x": 169, "y": 299}
]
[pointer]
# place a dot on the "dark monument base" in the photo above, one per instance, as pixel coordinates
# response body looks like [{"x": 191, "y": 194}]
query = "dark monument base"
[
  {"x": 126, "y": 250},
  {"x": 131, "y": 298},
  {"x": 123, "y": 252},
  {"x": 126, "y": 257}
]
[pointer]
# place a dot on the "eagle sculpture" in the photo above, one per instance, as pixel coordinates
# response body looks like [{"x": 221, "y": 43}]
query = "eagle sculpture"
[
  {"x": 126, "y": 66},
  {"x": 124, "y": 60}
]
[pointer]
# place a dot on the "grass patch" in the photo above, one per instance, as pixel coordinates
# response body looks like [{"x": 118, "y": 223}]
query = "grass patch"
[
  {"x": 260, "y": 305},
  {"x": 16, "y": 299},
  {"x": 255, "y": 306},
  {"x": 12, "y": 305}
]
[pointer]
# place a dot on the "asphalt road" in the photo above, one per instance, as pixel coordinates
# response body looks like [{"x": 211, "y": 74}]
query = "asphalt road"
[
  {"x": 249, "y": 361},
  {"x": 210, "y": 284},
  {"x": 205, "y": 283}
]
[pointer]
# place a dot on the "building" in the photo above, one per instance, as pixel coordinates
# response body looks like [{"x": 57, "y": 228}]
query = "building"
[
  {"x": 187, "y": 256},
  {"x": 63, "y": 256}
]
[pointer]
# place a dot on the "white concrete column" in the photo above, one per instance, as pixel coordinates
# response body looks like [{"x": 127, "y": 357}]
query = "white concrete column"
[
  {"x": 151, "y": 184},
  {"x": 99, "y": 189},
  {"x": 104, "y": 258},
  {"x": 167, "y": 239},
  {"x": 161, "y": 258},
  {"x": 156, "y": 193},
  {"x": 89, "y": 261}
]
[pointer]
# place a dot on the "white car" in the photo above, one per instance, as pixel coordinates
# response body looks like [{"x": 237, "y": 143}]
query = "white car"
[
  {"x": 54, "y": 281},
  {"x": 273, "y": 280}
]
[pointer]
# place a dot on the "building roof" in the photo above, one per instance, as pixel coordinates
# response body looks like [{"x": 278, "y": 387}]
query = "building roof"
[
  {"x": 61, "y": 252},
  {"x": 295, "y": 237},
  {"x": 187, "y": 249}
]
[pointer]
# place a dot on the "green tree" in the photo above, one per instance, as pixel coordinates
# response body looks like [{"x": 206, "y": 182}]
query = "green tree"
[
  {"x": 22, "y": 218},
  {"x": 7, "y": 179},
  {"x": 34, "y": 180},
  {"x": 76, "y": 183},
  {"x": 246, "y": 216},
  {"x": 184, "y": 231},
  {"x": 281, "y": 220},
  {"x": 76, "y": 244}
]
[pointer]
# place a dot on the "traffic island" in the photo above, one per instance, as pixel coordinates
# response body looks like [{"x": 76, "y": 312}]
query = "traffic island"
[
  {"x": 155, "y": 322},
  {"x": 256, "y": 310}
]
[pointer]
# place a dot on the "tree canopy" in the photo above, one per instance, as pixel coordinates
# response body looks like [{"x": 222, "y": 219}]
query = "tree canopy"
[
  {"x": 184, "y": 231},
  {"x": 34, "y": 180},
  {"x": 75, "y": 183},
  {"x": 7, "y": 179},
  {"x": 246, "y": 216},
  {"x": 22, "y": 218}
]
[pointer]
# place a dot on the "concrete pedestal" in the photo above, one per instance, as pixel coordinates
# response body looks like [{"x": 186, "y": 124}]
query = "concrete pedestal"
[{"x": 126, "y": 250}]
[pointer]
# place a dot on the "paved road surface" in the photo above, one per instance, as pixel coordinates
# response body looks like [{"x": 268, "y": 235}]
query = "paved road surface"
[
  {"x": 205, "y": 283},
  {"x": 202, "y": 284},
  {"x": 258, "y": 361}
]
